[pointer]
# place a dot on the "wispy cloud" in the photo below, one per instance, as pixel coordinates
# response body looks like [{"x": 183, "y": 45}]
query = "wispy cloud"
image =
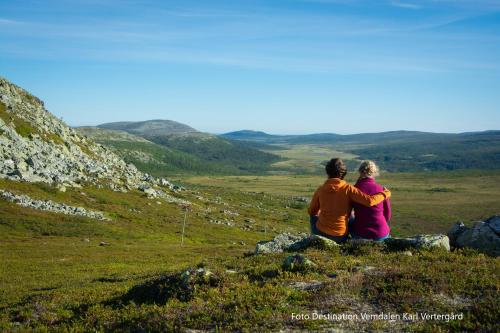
[
  {"x": 4, "y": 21},
  {"x": 405, "y": 5}
]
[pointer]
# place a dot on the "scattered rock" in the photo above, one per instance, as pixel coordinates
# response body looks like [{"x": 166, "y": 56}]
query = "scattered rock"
[
  {"x": 407, "y": 253},
  {"x": 221, "y": 222},
  {"x": 483, "y": 236},
  {"x": 297, "y": 263},
  {"x": 229, "y": 212},
  {"x": 51, "y": 206},
  {"x": 418, "y": 242}
]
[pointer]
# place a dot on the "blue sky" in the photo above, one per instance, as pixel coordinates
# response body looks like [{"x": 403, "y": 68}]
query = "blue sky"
[{"x": 294, "y": 66}]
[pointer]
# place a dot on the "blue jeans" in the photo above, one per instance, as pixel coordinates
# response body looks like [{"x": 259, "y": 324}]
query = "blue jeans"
[{"x": 314, "y": 230}]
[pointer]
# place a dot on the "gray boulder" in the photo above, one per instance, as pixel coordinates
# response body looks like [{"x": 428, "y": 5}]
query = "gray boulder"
[
  {"x": 494, "y": 223},
  {"x": 483, "y": 236},
  {"x": 418, "y": 242}
]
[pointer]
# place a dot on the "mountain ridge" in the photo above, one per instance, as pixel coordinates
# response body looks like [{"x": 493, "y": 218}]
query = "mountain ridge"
[{"x": 249, "y": 134}]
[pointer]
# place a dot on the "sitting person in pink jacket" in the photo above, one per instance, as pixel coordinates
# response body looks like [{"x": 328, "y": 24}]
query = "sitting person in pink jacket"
[{"x": 370, "y": 222}]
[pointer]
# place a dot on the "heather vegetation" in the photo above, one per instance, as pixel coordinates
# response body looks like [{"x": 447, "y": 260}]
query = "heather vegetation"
[{"x": 58, "y": 275}]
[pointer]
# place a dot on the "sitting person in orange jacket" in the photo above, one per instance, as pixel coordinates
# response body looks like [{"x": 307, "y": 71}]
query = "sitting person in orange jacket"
[{"x": 331, "y": 204}]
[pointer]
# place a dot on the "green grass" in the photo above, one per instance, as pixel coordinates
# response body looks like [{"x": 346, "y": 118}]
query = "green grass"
[{"x": 54, "y": 275}]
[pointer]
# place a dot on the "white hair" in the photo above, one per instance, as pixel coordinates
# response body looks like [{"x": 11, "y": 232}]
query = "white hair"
[{"x": 368, "y": 169}]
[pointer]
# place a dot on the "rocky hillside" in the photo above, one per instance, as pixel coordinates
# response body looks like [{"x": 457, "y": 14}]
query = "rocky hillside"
[{"x": 36, "y": 146}]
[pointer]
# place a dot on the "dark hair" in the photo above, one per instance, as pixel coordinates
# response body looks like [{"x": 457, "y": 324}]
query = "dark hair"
[{"x": 335, "y": 168}]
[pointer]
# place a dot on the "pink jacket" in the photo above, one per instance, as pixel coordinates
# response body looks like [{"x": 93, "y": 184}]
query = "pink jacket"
[{"x": 371, "y": 222}]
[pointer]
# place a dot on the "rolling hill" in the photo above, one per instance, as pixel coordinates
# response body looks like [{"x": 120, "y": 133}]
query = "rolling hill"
[{"x": 398, "y": 150}]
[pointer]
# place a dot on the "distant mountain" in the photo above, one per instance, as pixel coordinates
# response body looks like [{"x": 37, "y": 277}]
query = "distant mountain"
[
  {"x": 325, "y": 138},
  {"x": 248, "y": 135},
  {"x": 151, "y": 127},
  {"x": 180, "y": 148}
]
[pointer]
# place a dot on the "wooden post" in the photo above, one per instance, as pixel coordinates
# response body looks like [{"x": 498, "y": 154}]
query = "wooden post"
[{"x": 185, "y": 208}]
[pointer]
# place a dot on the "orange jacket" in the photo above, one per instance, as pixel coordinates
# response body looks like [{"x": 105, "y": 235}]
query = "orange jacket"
[{"x": 332, "y": 202}]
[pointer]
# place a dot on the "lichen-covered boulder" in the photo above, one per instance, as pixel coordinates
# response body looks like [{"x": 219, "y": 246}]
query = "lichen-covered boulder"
[
  {"x": 483, "y": 236},
  {"x": 314, "y": 241},
  {"x": 418, "y": 242},
  {"x": 279, "y": 244}
]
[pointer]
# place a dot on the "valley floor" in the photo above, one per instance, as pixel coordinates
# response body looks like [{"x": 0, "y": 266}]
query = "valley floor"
[{"x": 424, "y": 202}]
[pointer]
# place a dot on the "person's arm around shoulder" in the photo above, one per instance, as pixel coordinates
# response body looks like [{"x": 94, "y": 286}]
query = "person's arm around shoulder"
[
  {"x": 364, "y": 199},
  {"x": 314, "y": 205}
]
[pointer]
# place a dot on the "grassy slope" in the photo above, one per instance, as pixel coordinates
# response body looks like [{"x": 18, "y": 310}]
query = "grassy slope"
[{"x": 51, "y": 277}]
